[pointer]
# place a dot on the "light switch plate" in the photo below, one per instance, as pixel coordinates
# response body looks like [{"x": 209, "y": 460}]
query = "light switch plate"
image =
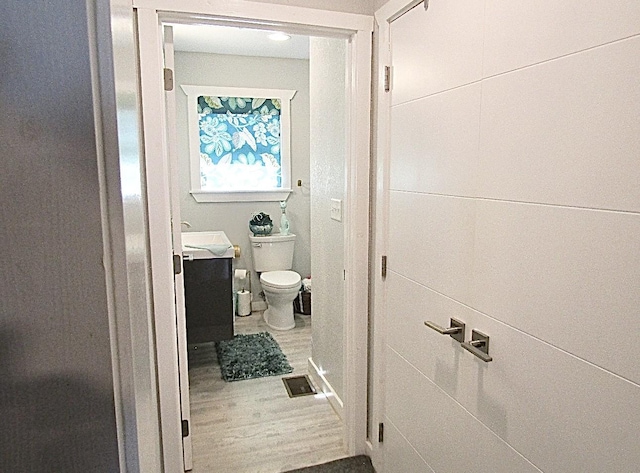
[{"x": 336, "y": 209}]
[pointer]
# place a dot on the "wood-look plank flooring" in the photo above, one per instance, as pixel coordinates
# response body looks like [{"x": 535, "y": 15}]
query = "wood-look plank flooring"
[{"x": 252, "y": 426}]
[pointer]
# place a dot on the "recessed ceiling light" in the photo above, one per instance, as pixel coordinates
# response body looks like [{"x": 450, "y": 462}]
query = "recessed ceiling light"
[{"x": 279, "y": 36}]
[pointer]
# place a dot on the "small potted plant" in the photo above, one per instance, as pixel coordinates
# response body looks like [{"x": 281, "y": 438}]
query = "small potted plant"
[{"x": 260, "y": 224}]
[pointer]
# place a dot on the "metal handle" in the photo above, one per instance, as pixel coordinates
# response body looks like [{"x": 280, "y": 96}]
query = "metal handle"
[
  {"x": 456, "y": 329},
  {"x": 479, "y": 345}
]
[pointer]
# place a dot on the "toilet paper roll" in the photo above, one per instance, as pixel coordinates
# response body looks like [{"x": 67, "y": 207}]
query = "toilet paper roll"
[
  {"x": 244, "y": 303},
  {"x": 241, "y": 274}
]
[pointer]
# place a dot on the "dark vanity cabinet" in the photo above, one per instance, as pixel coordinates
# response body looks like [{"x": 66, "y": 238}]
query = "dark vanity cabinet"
[{"x": 209, "y": 300}]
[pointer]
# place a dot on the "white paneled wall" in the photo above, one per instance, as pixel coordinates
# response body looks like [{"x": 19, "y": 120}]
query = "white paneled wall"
[
  {"x": 445, "y": 52},
  {"x": 446, "y": 435},
  {"x": 363, "y": 7},
  {"x": 432, "y": 237},
  {"x": 446, "y": 134},
  {"x": 565, "y": 131},
  {"x": 519, "y": 33},
  {"x": 401, "y": 454},
  {"x": 514, "y": 205},
  {"x": 540, "y": 400},
  {"x": 565, "y": 275}
]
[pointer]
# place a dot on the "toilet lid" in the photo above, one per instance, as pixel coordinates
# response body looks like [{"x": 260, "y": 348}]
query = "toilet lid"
[{"x": 280, "y": 279}]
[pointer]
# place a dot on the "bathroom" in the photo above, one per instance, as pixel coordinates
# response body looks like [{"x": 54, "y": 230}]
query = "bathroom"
[{"x": 317, "y": 175}]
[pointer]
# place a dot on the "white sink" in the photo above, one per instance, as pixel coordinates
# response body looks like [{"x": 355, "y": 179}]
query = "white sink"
[{"x": 217, "y": 241}]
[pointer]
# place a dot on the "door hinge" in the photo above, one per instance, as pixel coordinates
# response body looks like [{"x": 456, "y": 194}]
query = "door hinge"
[
  {"x": 168, "y": 79},
  {"x": 380, "y": 432},
  {"x": 384, "y": 266},
  {"x": 344, "y": 274},
  {"x": 387, "y": 78},
  {"x": 185, "y": 428},
  {"x": 177, "y": 266}
]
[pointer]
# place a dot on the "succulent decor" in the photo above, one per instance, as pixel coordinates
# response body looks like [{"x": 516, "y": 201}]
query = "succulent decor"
[{"x": 261, "y": 224}]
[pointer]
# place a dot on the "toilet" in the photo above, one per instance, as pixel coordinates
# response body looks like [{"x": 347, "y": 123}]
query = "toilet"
[{"x": 272, "y": 260}]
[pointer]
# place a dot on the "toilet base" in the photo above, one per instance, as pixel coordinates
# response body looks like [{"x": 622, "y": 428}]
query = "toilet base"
[{"x": 282, "y": 319}]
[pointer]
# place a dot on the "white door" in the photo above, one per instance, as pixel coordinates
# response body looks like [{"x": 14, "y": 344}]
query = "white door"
[
  {"x": 176, "y": 230},
  {"x": 430, "y": 243},
  {"x": 505, "y": 212}
]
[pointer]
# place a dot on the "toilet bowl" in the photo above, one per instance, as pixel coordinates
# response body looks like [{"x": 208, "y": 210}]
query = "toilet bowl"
[
  {"x": 273, "y": 260},
  {"x": 280, "y": 289}
]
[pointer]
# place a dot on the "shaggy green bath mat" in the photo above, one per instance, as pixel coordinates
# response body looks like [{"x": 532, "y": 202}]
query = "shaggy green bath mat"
[
  {"x": 359, "y": 464},
  {"x": 251, "y": 356}
]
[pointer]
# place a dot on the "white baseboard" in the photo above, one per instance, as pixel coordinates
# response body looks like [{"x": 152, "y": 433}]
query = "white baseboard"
[
  {"x": 258, "y": 306},
  {"x": 321, "y": 383}
]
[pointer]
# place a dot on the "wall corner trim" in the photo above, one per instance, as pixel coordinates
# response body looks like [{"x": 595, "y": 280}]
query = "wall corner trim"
[{"x": 320, "y": 382}]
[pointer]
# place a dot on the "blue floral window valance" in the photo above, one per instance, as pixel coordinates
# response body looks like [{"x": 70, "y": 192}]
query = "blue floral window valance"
[
  {"x": 242, "y": 141},
  {"x": 242, "y": 132}
]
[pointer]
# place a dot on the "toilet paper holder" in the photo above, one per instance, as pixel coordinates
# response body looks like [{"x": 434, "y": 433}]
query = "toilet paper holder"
[{"x": 456, "y": 329}]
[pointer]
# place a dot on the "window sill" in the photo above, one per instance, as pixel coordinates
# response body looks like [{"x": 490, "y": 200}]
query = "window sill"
[{"x": 241, "y": 196}]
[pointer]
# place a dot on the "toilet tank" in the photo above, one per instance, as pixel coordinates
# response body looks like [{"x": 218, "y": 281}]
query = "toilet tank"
[{"x": 272, "y": 252}]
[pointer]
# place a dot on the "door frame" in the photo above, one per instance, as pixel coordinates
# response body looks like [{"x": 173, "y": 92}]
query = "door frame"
[
  {"x": 390, "y": 11},
  {"x": 176, "y": 228},
  {"x": 358, "y": 28}
]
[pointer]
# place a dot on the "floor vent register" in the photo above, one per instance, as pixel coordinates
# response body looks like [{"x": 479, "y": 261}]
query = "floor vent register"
[{"x": 298, "y": 386}]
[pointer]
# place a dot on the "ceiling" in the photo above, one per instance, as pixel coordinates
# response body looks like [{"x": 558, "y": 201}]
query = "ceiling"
[{"x": 237, "y": 41}]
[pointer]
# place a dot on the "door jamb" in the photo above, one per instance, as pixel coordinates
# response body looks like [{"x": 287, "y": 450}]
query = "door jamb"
[
  {"x": 380, "y": 212},
  {"x": 359, "y": 28},
  {"x": 156, "y": 172},
  {"x": 176, "y": 228}
]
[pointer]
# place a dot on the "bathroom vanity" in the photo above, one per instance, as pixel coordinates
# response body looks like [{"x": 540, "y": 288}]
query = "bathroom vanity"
[{"x": 208, "y": 286}]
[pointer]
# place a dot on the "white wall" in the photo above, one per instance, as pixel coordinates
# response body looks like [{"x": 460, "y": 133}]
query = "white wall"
[
  {"x": 328, "y": 150},
  {"x": 363, "y": 7},
  {"x": 515, "y": 207},
  {"x": 56, "y": 387},
  {"x": 233, "y": 217},
  {"x": 377, "y": 4}
]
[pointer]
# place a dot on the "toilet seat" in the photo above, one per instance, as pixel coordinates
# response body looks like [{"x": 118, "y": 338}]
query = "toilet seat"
[{"x": 280, "y": 279}]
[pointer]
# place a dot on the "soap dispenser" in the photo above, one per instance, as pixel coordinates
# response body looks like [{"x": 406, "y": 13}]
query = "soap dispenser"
[{"x": 284, "y": 221}]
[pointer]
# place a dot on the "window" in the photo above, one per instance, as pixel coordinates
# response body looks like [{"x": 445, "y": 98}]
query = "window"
[{"x": 239, "y": 143}]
